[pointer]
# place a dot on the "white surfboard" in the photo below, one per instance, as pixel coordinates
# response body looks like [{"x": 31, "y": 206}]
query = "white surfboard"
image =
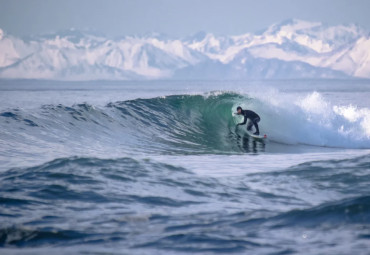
[{"x": 259, "y": 137}]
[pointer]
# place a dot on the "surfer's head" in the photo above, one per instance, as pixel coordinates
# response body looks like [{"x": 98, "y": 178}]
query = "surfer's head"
[{"x": 239, "y": 110}]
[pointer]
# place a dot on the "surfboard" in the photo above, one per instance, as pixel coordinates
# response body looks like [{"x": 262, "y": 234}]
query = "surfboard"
[{"x": 259, "y": 137}]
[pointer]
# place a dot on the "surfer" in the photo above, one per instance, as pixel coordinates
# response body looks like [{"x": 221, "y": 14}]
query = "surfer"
[{"x": 254, "y": 119}]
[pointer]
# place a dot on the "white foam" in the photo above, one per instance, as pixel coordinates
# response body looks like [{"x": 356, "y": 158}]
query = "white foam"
[{"x": 310, "y": 119}]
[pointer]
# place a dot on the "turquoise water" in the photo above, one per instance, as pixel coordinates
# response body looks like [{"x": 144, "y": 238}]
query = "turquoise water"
[{"x": 159, "y": 168}]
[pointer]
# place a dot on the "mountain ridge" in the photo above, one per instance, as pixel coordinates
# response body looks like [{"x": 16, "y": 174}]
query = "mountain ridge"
[{"x": 292, "y": 49}]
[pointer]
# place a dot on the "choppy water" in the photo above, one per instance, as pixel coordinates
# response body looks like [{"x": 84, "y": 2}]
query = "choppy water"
[{"x": 159, "y": 168}]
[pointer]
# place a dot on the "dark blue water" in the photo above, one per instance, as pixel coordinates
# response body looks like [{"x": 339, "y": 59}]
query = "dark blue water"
[{"x": 124, "y": 168}]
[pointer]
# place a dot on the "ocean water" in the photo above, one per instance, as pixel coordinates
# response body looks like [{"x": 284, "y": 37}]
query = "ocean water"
[{"x": 158, "y": 167}]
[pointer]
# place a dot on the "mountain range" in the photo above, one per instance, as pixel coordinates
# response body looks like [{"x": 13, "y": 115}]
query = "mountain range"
[{"x": 292, "y": 49}]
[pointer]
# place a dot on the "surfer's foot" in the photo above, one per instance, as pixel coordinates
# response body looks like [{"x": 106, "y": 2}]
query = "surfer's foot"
[{"x": 256, "y": 133}]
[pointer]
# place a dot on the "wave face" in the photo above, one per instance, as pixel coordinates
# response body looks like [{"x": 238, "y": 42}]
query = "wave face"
[
  {"x": 146, "y": 207},
  {"x": 180, "y": 124},
  {"x": 185, "y": 124}
]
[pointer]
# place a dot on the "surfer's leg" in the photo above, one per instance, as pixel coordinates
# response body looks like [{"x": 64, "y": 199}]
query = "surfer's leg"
[
  {"x": 249, "y": 126},
  {"x": 255, "y": 123}
]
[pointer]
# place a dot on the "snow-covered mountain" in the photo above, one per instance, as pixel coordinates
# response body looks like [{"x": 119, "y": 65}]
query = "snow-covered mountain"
[{"x": 291, "y": 49}]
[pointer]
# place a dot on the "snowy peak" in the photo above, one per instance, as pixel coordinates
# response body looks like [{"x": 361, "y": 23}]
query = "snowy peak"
[
  {"x": 291, "y": 49},
  {"x": 292, "y": 26},
  {"x": 315, "y": 35},
  {"x": 72, "y": 34},
  {"x": 296, "y": 26}
]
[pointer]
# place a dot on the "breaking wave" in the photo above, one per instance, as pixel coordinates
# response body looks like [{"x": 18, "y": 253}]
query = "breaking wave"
[{"x": 195, "y": 124}]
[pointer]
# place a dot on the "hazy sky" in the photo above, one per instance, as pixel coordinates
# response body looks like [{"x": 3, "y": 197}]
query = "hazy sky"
[{"x": 173, "y": 17}]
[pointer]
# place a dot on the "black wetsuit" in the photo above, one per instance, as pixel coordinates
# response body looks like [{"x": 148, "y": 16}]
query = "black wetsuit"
[{"x": 254, "y": 117}]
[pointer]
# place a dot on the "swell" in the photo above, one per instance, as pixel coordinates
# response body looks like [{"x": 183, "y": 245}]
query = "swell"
[{"x": 91, "y": 201}]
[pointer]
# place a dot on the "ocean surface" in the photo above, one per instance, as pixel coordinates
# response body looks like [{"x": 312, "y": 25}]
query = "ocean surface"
[{"x": 158, "y": 167}]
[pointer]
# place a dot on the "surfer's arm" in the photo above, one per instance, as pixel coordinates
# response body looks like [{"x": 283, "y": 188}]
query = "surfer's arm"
[{"x": 243, "y": 123}]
